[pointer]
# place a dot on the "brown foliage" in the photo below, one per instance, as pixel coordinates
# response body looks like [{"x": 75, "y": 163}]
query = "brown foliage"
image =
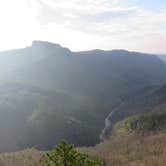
[{"x": 132, "y": 151}]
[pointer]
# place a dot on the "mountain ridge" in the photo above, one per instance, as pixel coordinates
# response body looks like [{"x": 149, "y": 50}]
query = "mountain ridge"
[
  {"x": 45, "y": 44},
  {"x": 73, "y": 94}
]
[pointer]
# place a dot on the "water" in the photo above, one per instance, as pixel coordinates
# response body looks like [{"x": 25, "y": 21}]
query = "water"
[
  {"x": 106, "y": 132},
  {"x": 107, "y": 128}
]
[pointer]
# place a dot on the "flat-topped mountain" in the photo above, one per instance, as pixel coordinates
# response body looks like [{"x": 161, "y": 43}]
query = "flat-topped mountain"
[
  {"x": 102, "y": 73},
  {"x": 53, "y": 93}
]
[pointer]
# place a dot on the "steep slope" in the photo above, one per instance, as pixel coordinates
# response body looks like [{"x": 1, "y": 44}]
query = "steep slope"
[
  {"x": 19, "y": 105},
  {"x": 137, "y": 140},
  {"x": 33, "y": 117},
  {"x": 142, "y": 124},
  {"x": 149, "y": 99},
  {"x": 106, "y": 74},
  {"x": 75, "y": 91}
]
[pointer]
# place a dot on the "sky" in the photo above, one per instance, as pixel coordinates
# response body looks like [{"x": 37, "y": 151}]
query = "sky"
[{"x": 136, "y": 25}]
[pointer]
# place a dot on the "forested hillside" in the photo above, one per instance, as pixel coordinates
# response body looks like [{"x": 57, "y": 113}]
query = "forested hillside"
[
  {"x": 49, "y": 92},
  {"x": 148, "y": 99},
  {"x": 137, "y": 140}
]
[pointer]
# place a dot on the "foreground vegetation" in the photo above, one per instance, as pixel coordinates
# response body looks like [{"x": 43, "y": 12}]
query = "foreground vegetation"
[
  {"x": 139, "y": 140},
  {"x": 66, "y": 155},
  {"x": 136, "y": 141},
  {"x": 132, "y": 151}
]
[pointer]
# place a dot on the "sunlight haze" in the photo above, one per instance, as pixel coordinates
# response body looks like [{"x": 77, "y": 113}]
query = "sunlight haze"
[{"x": 85, "y": 24}]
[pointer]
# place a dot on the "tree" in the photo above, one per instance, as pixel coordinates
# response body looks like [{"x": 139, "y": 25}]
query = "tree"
[{"x": 66, "y": 155}]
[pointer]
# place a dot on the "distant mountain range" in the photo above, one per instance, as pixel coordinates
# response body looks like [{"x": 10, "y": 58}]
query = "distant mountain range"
[{"x": 49, "y": 92}]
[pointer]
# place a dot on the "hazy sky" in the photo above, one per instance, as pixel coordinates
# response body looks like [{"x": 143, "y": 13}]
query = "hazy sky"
[{"x": 85, "y": 24}]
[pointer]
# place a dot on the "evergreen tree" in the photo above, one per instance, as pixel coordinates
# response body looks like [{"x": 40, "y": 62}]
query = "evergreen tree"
[{"x": 66, "y": 155}]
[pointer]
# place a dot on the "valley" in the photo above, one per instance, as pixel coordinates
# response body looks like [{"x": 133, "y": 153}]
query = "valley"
[{"x": 49, "y": 93}]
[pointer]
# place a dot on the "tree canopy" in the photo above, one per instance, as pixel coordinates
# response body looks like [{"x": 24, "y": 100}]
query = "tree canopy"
[{"x": 66, "y": 155}]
